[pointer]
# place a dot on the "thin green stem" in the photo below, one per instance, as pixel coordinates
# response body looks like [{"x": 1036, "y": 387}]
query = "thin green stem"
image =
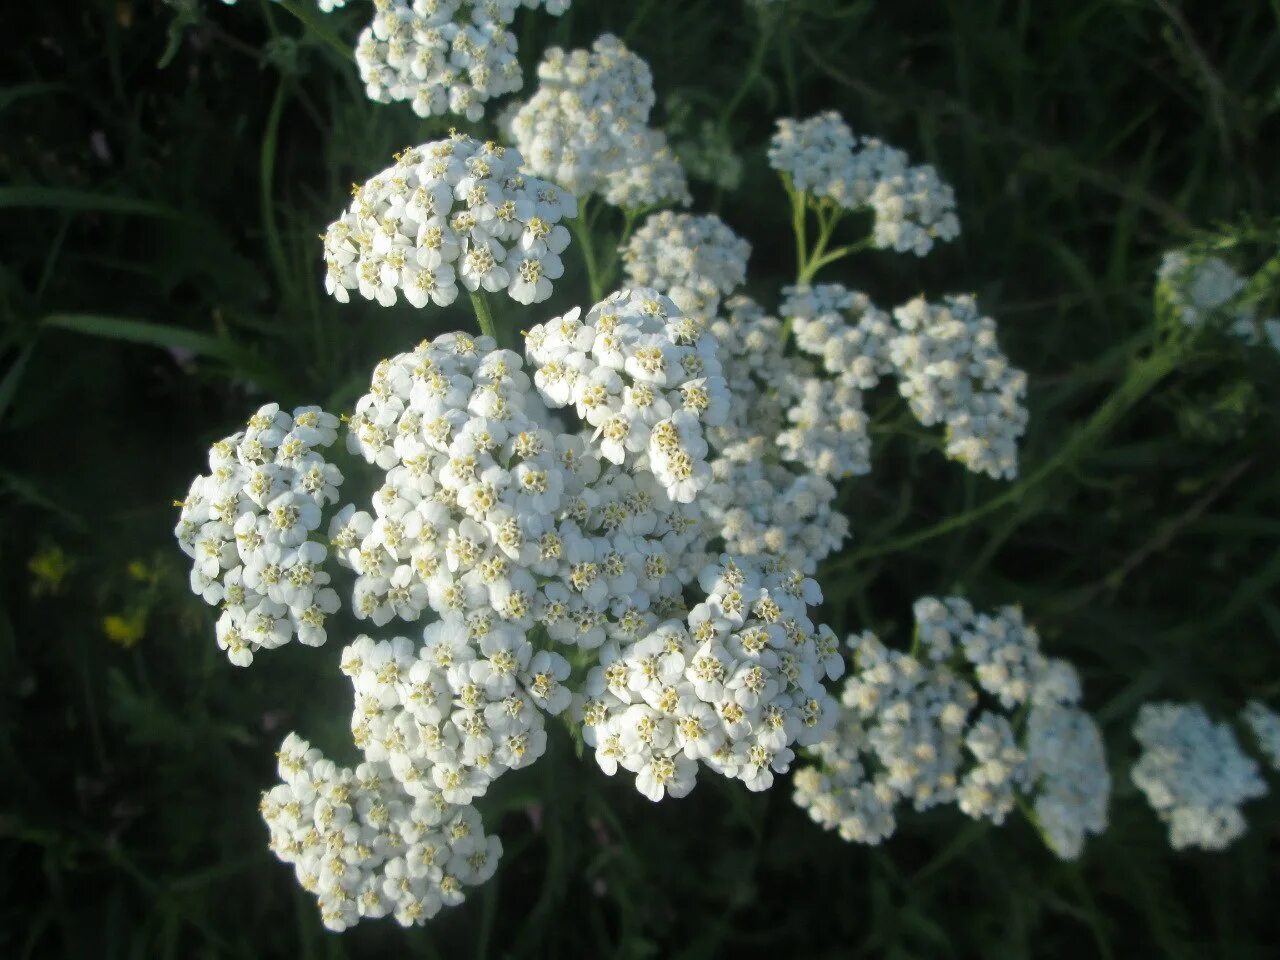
[
  {"x": 798, "y": 226},
  {"x": 484, "y": 315},
  {"x": 752, "y": 74},
  {"x": 582, "y": 235},
  {"x": 266, "y": 172},
  {"x": 1142, "y": 378},
  {"x": 311, "y": 20},
  {"x": 822, "y": 259}
]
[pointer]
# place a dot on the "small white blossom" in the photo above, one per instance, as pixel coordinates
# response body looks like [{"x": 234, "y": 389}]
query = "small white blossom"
[
  {"x": 248, "y": 527},
  {"x": 450, "y": 213},
  {"x": 1194, "y": 775}
]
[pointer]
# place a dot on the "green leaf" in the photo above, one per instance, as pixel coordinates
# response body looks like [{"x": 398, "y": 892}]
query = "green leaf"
[
  {"x": 62, "y": 198},
  {"x": 158, "y": 335}
]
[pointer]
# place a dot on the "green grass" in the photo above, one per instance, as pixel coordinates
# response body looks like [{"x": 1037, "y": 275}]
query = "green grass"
[{"x": 160, "y": 271}]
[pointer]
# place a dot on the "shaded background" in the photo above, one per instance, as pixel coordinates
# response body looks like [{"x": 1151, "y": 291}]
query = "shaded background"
[{"x": 1082, "y": 139}]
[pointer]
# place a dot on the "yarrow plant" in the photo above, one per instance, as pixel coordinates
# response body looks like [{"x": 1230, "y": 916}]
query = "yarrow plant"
[
  {"x": 443, "y": 56},
  {"x": 615, "y": 519},
  {"x": 977, "y": 716}
]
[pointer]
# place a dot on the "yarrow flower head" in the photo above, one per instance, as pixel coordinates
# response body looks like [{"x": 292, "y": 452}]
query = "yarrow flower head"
[
  {"x": 587, "y": 127},
  {"x": 822, "y": 158},
  {"x": 453, "y": 713},
  {"x": 645, "y": 376},
  {"x": 951, "y": 371},
  {"x": 908, "y": 732},
  {"x": 1194, "y": 775},
  {"x": 448, "y": 213},
  {"x": 249, "y": 527},
  {"x": 488, "y": 505},
  {"x": 695, "y": 260},
  {"x": 1198, "y": 290},
  {"x": 1265, "y": 726},
  {"x": 365, "y": 848},
  {"x": 733, "y": 686},
  {"x": 443, "y": 56}
]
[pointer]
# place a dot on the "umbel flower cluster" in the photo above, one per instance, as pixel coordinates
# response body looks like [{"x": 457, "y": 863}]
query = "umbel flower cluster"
[
  {"x": 443, "y": 56},
  {"x": 979, "y": 718},
  {"x": 587, "y": 128},
  {"x": 617, "y": 524},
  {"x": 250, "y": 527},
  {"x": 448, "y": 213},
  {"x": 1194, "y": 773},
  {"x": 911, "y": 205},
  {"x": 693, "y": 259},
  {"x": 1200, "y": 290}
]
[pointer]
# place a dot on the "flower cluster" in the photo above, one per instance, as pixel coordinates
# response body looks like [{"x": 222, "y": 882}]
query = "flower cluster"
[
  {"x": 485, "y": 508},
  {"x": 951, "y": 371},
  {"x": 587, "y": 127},
  {"x": 821, "y": 158},
  {"x": 695, "y": 260},
  {"x": 450, "y": 212},
  {"x": 908, "y": 732},
  {"x": 1194, "y": 774},
  {"x": 248, "y": 524},
  {"x": 1198, "y": 290},
  {"x": 455, "y": 712},
  {"x": 443, "y": 56},
  {"x": 734, "y": 685},
  {"x": 761, "y": 500},
  {"x": 1265, "y": 726},
  {"x": 645, "y": 376},
  {"x": 365, "y": 848}
]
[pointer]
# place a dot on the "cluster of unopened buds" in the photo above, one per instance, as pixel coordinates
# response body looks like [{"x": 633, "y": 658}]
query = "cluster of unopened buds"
[{"x": 618, "y": 525}]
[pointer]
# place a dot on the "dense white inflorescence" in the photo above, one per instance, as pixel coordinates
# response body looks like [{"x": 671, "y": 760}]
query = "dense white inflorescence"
[
  {"x": 1194, "y": 774},
  {"x": 458, "y": 710},
  {"x": 644, "y": 376},
  {"x": 586, "y": 127},
  {"x": 249, "y": 524},
  {"x": 951, "y": 371},
  {"x": 448, "y": 213},
  {"x": 695, "y": 260},
  {"x": 821, "y": 157},
  {"x": 908, "y": 733},
  {"x": 1265, "y": 725},
  {"x": 367, "y": 849},
  {"x": 443, "y": 56},
  {"x": 760, "y": 501},
  {"x": 489, "y": 505},
  {"x": 1201, "y": 290},
  {"x": 733, "y": 686}
]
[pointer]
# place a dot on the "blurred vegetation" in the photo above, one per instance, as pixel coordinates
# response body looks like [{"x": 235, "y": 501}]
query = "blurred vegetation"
[{"x": 160, "y": 276}]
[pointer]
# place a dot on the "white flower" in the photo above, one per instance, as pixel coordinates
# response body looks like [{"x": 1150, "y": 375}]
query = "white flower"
[
  {"x": 248, "y": 527},
  {"x": 365, "y": 847},
  {"x": 442, "y": 56},
  {"x": 1265, "y": 724},
  {"x": 951, "y": 371},
  {"x": 733, "y": 686},
  {"x": 449, "y": 212},
  {"x": 1194, "y": 775},
  {"x": 695, "y": 260},
  {"x": 586, "y": 127},
  {"x": 821, "y": 157}
]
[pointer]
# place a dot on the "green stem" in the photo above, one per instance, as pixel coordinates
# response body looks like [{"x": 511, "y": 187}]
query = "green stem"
[
  {"x": 266, "y": 172},
  {"x": 312, "y": 22},
  {"x": 818, "y": 262},
  {"x": 1142, "y": 378},
  {"x": 582, "y": 234},
  {"x": 484, "y": 315},
  {"x": 752, "y": 73},
  {"x": 797, "y": 224}
]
